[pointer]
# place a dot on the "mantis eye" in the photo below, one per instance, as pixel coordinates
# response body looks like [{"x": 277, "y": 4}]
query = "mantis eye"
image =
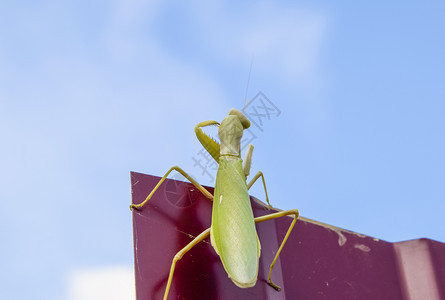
[{"x": 244, "y": 121}]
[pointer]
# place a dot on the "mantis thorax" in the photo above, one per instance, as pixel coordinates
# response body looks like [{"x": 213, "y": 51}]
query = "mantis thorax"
[{"x": 231, "y": 131}]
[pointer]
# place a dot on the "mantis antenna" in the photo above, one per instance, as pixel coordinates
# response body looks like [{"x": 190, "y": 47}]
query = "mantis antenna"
[{"x": 248, "y": 81}]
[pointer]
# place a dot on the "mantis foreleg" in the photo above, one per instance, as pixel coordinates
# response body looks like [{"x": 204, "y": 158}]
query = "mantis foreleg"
[
  {"x": 255, "y": 178},
  {"x": 274, "y": 216},
  {"x": 194, "y": 182}
]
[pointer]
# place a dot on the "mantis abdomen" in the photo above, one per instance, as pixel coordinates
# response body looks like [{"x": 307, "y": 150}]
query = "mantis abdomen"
[{"x": 233, "y": 233}]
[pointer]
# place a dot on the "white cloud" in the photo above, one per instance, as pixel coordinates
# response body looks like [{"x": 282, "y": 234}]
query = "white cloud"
[{"x": 108, "y": 283}]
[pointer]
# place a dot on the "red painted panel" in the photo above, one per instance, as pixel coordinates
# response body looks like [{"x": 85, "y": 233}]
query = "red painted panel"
[{"x": 318, "y": 261}]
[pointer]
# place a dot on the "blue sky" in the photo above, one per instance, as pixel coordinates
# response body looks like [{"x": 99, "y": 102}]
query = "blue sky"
[{"x": 90, "y": 91}]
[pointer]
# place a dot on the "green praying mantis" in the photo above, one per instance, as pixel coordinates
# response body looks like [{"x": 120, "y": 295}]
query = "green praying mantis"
[{"x": 232, "y": 233}]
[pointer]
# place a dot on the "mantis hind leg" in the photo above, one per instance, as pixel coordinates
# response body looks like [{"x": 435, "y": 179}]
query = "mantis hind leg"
[
  {"x": 255, "y": 178},
  {"x": 180, "y": 254},
  {"x": 274, "y": 216},
  {"x": 176, "y": 168}
]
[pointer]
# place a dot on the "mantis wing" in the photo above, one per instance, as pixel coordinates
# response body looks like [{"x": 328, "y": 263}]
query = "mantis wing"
[{"x": 233, "y": 233}]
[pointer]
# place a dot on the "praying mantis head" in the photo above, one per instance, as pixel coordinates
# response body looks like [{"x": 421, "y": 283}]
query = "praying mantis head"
[{"x": 230, "y": 132}]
